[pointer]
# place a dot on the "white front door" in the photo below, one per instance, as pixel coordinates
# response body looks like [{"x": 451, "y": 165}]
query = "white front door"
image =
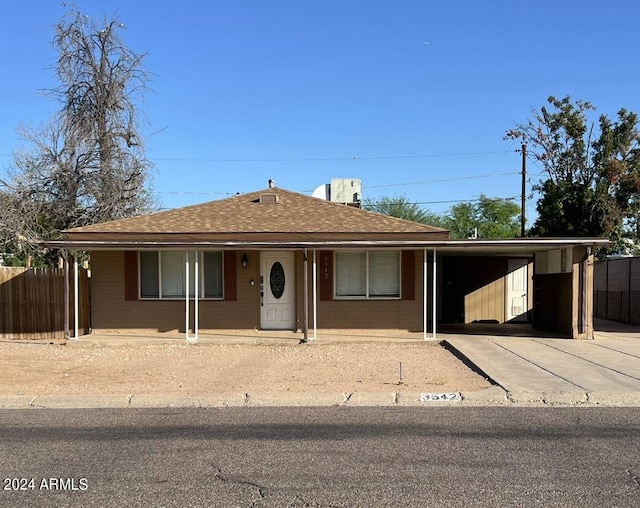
[
  {"x": 517, "y": 290},
  {"x": 277, "y": 291}
]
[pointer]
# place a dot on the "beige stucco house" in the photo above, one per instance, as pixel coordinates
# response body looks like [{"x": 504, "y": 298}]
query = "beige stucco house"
[{"x": 276, "y": 259}]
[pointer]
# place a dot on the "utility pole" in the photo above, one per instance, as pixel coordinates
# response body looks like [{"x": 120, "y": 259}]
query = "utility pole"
[{"x": 524, "y": 189}]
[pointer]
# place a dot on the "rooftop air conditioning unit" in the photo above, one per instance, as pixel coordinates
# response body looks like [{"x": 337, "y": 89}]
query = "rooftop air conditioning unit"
[{"x": 346, "y": 190}]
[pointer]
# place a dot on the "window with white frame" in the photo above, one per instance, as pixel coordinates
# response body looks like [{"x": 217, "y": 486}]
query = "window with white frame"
[
  {"x": 367, "y": 274},
  {"x": 162, "y": 274}
]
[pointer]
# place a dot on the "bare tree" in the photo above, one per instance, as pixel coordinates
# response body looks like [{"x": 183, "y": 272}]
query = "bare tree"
[
  {"x": 88, "y": 163},
  {"x": 100, "y": 80}
]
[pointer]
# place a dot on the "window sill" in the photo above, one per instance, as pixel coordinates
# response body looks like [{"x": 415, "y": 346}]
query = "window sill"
[
  {"x": 179, "y": 299},
  {"x": 366, "y": 298}
]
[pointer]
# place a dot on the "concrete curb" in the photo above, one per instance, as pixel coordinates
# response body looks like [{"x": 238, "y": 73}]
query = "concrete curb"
[
  {"x": 573, "y": 399},
  {"x": 631, "y": 399},
  {"x": 179, "y": 400},
  {"x": 263, "y": 399},
  {"x": 494, "y": 396},
  {"x": 16, "y": 401},
  {"x": 548, "y": 398}
]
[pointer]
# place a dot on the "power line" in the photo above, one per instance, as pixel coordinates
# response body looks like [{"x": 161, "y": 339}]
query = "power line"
[
  {"x": 510, "y": 198},
  {"x": 196, "y": 193},
  {"x": 470, "y": 200},
  {"x": 442, "y": 180},
  {"x": 422, "y": 182},
  {"x": 328, "y": 159},
  {"x": 320, "y": 159}
]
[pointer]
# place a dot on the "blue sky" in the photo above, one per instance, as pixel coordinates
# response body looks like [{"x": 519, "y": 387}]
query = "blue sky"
[{"x": 400, "y": 94}]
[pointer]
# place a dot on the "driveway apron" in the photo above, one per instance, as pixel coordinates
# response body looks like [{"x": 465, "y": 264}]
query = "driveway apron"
[{"x": 609, "y": 364}]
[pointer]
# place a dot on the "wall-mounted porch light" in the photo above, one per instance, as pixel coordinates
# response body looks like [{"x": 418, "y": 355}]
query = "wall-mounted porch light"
[{"x": 244, "y": 260}]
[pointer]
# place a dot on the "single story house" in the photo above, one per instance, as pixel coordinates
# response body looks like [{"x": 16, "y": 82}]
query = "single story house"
[{"x": 276, "y": 259}]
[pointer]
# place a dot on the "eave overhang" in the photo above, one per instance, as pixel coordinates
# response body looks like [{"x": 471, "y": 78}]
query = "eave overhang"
[{"x": 518, "y": 246}]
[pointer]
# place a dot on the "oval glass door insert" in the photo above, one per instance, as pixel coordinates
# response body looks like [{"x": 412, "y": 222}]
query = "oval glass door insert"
[{"x": 276, "y": 280}]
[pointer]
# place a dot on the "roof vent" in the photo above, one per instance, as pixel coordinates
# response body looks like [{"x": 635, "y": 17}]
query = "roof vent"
[{"x": 269, "y": 199}]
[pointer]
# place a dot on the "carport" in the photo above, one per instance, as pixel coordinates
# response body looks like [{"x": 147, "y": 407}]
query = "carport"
[{"x": 544, "y": 284}]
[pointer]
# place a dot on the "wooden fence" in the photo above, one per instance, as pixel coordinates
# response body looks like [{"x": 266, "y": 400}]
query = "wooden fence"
[
  {"x": 32, "y": 303},
  {"x": 617, "y": 290}
]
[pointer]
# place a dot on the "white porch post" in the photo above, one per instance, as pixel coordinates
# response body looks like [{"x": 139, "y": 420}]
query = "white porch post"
[
  {"x": 305, "y": 278},
  {"x": 315, "y": 297},
  {"x": 186, "y": 297},
  {"x": 196, "y": 301},
  {"x": 424, "y": 295},
  {"x": 435, "y": 295},
  {"x": 194, "y": 339},
  {"x": 75, "y": 296},
  {"x": 65, "y": 274}
]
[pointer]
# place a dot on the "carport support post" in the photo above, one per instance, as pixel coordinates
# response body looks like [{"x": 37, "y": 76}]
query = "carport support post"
[
  {"x": 434, "y": 286},
  {"x": 424, "y": 295},
  {"x": 434, "y": 317}
]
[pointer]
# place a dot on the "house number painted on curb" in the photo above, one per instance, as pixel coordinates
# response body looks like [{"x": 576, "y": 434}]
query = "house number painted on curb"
[{"x": 440, "y": 397}]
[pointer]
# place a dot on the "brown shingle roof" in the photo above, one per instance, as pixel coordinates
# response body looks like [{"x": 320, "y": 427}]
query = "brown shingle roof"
[{"x": 245, "y": 216}]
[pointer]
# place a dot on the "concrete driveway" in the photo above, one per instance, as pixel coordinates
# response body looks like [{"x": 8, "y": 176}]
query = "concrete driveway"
[{"x": 601, "y": 371}]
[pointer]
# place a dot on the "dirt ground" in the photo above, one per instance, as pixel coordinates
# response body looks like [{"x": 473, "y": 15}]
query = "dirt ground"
[{"x": 47, "y": 369}]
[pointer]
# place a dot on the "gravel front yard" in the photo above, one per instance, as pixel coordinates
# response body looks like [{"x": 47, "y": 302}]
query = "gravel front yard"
[{"x": 39, "y": 369}]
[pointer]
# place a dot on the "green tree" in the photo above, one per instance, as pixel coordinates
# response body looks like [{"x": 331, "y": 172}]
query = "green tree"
[
  {"x": 592, "y": 169},
  {"x": 87, "y": 164},
  {"x": 401, "y": 207},
  {"x": 490, "y": 217}
]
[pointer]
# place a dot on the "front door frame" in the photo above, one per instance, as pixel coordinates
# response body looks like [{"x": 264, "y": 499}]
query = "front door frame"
[{"x": 287, "y": 310}]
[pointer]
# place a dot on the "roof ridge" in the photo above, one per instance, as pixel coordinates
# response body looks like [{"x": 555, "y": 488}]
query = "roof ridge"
[
  {"x": 295, "y": 213},
  {"x": 358, "y": 209}
]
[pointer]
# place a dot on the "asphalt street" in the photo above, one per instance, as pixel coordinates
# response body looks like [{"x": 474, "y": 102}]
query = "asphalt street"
[{"x": 391, "y": 456}]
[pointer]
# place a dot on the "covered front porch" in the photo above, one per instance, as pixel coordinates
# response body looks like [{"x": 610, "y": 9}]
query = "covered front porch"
[
  {"x": 279, "y": 260},
  {"x": 316, "y": 305}
]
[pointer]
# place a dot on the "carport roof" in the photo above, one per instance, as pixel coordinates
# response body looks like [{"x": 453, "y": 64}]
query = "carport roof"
[{"x": 514, "y": 246}]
